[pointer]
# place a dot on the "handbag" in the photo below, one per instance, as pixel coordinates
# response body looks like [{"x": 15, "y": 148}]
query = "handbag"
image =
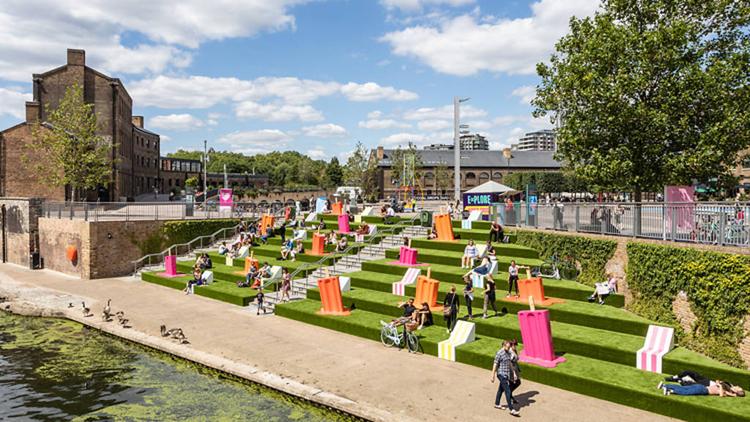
[{"x": 447, "y": 310}]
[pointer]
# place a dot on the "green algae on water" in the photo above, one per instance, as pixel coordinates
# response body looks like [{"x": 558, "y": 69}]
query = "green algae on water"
[{"x": 67, "y": 371}]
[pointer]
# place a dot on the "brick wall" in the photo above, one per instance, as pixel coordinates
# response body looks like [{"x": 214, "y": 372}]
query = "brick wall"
[
  {"x": 105, "y": 248},
  {"x": 683, "y": 313},
  {"x": 744, "y": 348},
  {"x": 19, "y": 176},
  {"x": 20, "y": 228}
]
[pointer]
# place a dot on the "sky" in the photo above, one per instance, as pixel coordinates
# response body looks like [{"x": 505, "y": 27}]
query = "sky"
[{"x": 314, "y": 76}]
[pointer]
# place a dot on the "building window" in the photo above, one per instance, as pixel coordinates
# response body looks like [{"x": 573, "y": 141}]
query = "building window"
[{"x": 483, "y": 177}]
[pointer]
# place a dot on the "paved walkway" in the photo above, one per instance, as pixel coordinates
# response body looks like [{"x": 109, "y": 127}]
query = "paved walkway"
[{"x": 360, "y": 374}]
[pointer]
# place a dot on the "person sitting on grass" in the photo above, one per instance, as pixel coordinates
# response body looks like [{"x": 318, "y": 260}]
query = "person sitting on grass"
[
  {"x": 321, "y": 224},
  {"x": 408, "y": 315},
  {"x": 603, "y": 290},
  {"x": 204, "y": 262},
  {"x": 433, "y": 233},
  {"x": 470, "y": 253},
  {"x": 489, "y": 251},
  {"x": 342, "y": 244},
  {"x": 423, "y": 316},
  {"x": 332, "y": 239},
  {"x": 714, "y": 388},
  {"x": 223, "y": 250},
  {"x": 350, "y": 216},
  {"x": 299, "y": 248},
  {"x": 287, "y": 250},
  {"x": 484, "y": 269},
  {"x": 363, "y": 229},
  {"x": 196, "y": 281}
]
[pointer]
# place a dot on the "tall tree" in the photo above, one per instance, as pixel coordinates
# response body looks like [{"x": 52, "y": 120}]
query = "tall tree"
[
  {"x": 651, "y": 92},
  {"x": 443, "y": 177},
  {"x": 334, "y": 173},
  {"x": 356, "y": 165},
  {"x": 67, "y": 150}
]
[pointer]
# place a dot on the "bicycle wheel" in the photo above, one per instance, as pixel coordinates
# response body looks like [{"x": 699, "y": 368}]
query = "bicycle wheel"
[
  {"x": 412, "y": 342},
  {"x": 386, "y": 337}
]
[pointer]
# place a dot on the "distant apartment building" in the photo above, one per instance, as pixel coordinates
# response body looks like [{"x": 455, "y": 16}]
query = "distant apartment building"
[
  {"x": 542, "y": 140},
  {"x": 439, "y": 147},
  {"x": 473, "y": 142}
]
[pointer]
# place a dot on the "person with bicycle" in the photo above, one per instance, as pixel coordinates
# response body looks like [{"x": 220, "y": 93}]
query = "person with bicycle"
[{"x": 408, "y": 320}]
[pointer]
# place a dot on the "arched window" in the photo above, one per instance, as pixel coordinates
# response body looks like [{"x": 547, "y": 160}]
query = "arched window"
[
  {"x": 483, "y": 177},
  {"x": 470, "y": 179},
  {"x": 497, "y": 176}
]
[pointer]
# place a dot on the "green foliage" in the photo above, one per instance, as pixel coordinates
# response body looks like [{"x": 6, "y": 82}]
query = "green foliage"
[
  {"x": 590, "y": 254},
  {"x": 443, "y": 177},
  {"x": 334, "y": 173},
  {"x": 191, "y": 182},
  {"x": 183, "y": 231},
  {"x": 648, "y": 93},
  {"x": 68, "y": 150},
  {"x": 546, "y": 182},
  {"x": 284, "y": 169},
  {"x": 405, "y": 166},
  {"x": 717, "y": 286}
]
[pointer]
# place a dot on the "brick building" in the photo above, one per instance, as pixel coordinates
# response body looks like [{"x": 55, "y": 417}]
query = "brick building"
[{"x": 135, "y": 151}]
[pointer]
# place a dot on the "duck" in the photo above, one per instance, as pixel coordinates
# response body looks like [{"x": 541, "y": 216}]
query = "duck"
[
  {"x": 86, "y": 311},
  {"x": 106, "y": 312},
  {"x": 171, "y": 332},
  {"x": 70, "y": 304}
]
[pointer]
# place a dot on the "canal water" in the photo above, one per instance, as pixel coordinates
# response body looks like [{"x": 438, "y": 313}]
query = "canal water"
[{"x": 53, "y": 369}]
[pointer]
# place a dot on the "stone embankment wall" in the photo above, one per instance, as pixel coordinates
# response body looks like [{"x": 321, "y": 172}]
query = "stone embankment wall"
[
  {"x": 21, "y": 229},
  {"x": 104, "y": 248}
]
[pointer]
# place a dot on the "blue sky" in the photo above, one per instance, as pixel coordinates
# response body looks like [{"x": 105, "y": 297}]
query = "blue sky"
[{"x": 313, "y": 76}]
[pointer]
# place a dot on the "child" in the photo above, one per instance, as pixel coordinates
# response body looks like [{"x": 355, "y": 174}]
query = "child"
[{"x": 259, "y": 300}]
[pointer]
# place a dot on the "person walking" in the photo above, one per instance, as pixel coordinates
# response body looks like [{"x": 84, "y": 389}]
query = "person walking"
[
  {"x": 513, "y": 278},
  {"x": 489, "y": 296},
  {"x": 286, "y": 284},
  {"x": 468, "y": 295},
  {"x": 450, "y": 308},
  {"x": 515, "y": 370},
  {"x": 501, "y": 369}
]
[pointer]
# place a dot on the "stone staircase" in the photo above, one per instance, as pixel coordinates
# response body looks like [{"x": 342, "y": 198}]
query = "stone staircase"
[{"x": 347, "y": 264}]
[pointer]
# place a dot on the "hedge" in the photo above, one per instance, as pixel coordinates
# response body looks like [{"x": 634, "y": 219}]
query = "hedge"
[
  {"x": 717, "y": 287},
  {"x": 590, "y": 254},
  {"x": 182, "y": 231}
]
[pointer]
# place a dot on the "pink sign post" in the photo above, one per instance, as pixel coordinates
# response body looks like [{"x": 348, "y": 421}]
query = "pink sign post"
[
  {"x": 344, "y": 223},
  {"x": 407, "y": 256},
  {"x": 225, "y": 199},
  {"x": 536, "y": 336}
]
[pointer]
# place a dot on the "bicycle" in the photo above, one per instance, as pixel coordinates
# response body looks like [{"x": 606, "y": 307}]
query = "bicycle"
[
  {"x": 548, "y": 269},
  {"x": 390, "y": 337}
]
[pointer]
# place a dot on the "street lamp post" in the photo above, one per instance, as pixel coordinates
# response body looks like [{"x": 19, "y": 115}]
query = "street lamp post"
[
  {"x": 205, "y": 182},
  {"x": 457, "y": 147}
]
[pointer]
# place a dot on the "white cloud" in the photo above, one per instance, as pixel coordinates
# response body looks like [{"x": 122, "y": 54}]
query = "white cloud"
[
  {"x": 403, "y": 139},
  {"x": 277, "y": 112},
  {"x": 325, "y": 130},
  {"x": 443, "y": 113},
  {"x": 376, "y": 114},
  {"x": 431, "y": 125},
  {"x": 479, "y": 125},
  {"x": 526, "y": 93},
  {"x": 12, "y": 103},
  {"x": 35, "y": 33},
  {"x": 317, "y": 153},
  {"x": 379, "y": 124},
  {"x": 195, "y": 92},
  {"x": 466, "y": 44},
  {"x": 164, "y": 138},
  {"x": 370, "y": 91},
  {"x": 178, "y": 122},
  {"x": 256, "y": 141},
  {"x": 416, "y": 5}
]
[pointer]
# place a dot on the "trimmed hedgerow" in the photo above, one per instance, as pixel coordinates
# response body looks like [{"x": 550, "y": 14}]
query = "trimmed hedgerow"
[
  {"x": 182, "y": 231},
  {"x": 590, "y": 254},
  {"x": 717, "y": 287}
]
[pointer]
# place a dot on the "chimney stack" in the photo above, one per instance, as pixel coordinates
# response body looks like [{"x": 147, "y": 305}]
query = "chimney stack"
[
  {"x": 138, "y": 121},
  {"x": 32, "y": 111},
  {"x": 380, "y": 154},
  {"x": 76, "y": 57}
]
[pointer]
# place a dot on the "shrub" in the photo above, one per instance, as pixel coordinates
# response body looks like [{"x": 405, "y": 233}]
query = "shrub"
[
  {"x": 183, "y": 231},
  {"x": 591, "y": 255},
  {"x": 717, "y": 287}
]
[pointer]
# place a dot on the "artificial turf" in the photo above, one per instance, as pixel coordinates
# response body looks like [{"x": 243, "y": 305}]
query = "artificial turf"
[
  {"x": 621, "y": 383},
  {"x": 219, "y": 290}
]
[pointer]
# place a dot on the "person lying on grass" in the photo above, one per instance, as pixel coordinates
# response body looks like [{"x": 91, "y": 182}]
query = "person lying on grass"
[
  {"x": 484, "y": 269},
  {"x": 363, "y": 229},
  {"x": 714, "y": 388}
]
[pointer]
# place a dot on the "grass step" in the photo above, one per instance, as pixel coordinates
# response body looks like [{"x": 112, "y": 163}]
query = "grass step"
[
  {"x": 597, "y": 378},
  {"x": 573, "y": 312},
  {"x": 501, "y": 249},
  {"x": 450, "y": 274},
  {"x": 219, "y": 290},
  {"x": 450, "y": 258},
  {"x": 232, "y": 274}
]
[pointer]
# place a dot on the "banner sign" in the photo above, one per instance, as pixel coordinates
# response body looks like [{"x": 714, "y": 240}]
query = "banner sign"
[{"x": 225, "y": 199}]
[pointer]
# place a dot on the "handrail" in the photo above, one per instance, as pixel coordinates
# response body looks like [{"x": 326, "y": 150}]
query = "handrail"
[
  {"x": 139, "y": 263},
  {"x": 368, "y": 242}
]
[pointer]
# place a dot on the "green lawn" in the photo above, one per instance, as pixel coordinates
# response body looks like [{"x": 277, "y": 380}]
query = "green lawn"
[
  {"x": 594, "y": 377},
  {"x": 219, "y": 290}
]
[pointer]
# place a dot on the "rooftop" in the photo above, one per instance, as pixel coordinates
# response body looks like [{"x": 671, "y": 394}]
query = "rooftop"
[{"x": 489, "y": 159}]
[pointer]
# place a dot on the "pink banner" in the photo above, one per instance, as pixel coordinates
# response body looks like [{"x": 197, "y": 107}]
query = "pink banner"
[{"x": 225, "y": 199}]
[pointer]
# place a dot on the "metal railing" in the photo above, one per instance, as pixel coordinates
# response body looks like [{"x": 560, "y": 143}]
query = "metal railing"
[
  {"x": 200, "y": 242},
  {"x": 717, "y": 223},
  {"x": 369, "y": 241},
  {"x": 144, "y": 211}
]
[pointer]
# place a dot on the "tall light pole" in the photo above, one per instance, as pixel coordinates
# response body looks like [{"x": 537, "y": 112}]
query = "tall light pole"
[
  {"x": 457, "y": 147},
  {"x": 205, "y": 182}
]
